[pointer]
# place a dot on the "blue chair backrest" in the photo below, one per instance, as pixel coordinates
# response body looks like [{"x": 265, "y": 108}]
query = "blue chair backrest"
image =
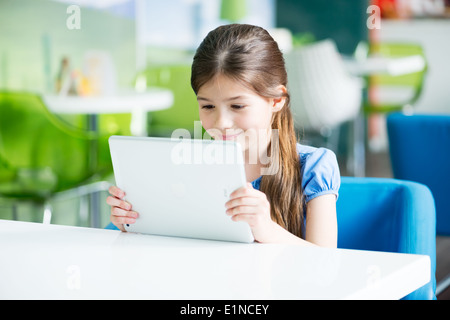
[
  {"x": 420, "y": 151},
  {"x": 388, "y": 215}
]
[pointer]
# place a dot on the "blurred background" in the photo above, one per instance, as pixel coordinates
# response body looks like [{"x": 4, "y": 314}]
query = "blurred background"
[{"x": 73, "y": 73}]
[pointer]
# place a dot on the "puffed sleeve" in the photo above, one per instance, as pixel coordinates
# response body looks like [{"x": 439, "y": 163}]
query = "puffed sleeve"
[{"x": 320, "y": 172}]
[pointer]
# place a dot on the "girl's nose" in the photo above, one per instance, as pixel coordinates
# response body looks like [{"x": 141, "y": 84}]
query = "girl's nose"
[{"x": 223, "y": 121}]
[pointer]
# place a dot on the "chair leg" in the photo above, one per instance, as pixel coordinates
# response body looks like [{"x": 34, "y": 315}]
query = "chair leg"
[
  {"x": 15, "y": 216},
  {"x": 359, "y": 153},
  {"x": 94, "y": 200},
  {"x": 83, "y": 212},
  {"x": 47, "y": 213},
  {"x": 92, "y": 193},
  {"x": 442, "y": 285}
]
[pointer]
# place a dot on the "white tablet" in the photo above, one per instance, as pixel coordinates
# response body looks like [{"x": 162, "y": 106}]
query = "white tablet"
[{"x": 179, "y": 187}]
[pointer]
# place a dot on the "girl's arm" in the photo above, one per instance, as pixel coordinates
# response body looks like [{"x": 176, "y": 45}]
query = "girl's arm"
[
  {"x": 251, "y": 206},
  {"x": 321, "y": 221}
]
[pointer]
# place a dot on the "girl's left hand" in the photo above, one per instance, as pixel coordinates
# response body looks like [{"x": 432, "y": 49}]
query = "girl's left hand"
[{"x": 251, "y": 206}]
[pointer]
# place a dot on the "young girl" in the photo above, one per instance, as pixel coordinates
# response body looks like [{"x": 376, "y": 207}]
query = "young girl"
[{"x": 240, "y": 80}]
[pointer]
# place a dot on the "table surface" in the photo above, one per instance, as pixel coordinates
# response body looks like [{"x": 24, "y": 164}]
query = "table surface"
[
  {"x": 380, "y": 65},
  {"x": 125, "y": 101},
  {"x": 60, "y": 262}
]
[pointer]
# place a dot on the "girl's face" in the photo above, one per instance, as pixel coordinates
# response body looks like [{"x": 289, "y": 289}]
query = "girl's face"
[{"x": 230, "y": 111}]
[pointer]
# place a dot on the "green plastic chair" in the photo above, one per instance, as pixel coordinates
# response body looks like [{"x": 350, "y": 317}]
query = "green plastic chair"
[
  {"x": 411, "y": 83},
  {"x": 42, "y": 157},
  {"x": 107, "y": 124},
  {"x": 184, "y": 111}
]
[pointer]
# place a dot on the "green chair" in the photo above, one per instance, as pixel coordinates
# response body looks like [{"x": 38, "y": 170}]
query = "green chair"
[
  {"x": 404, "y": 90},
  {"x": 184, "y": 111},
  {"x": 41, "y": 157},
  {"x": 108, "y": 124},
  {"x": 388, "y": 92}
]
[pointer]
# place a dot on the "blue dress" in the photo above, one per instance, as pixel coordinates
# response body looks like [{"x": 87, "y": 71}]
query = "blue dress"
[
  {"x": 319, "y": 170},
  {"x": 320, "y": 174}
]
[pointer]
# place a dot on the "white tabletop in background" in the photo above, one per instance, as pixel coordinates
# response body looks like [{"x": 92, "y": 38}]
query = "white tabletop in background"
[
  {"x": 59, "y": 262},
  {"x": 389, "y": 66},
  {"x": 125, "y": 101}
]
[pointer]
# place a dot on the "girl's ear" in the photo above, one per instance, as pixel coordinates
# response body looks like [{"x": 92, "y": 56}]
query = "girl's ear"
[{"x": 278, "y": 103}]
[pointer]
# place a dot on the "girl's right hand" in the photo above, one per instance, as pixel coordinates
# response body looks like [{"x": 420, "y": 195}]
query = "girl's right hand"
[{"x": 120, "y": 210}]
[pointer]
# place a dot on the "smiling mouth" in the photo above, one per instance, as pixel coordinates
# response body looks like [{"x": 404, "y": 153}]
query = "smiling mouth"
[
  {"x": 230, "y": 137},
  {"x": 217, "y": 134}
]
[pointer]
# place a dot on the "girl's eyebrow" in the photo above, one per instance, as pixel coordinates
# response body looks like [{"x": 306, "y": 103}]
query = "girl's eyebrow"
[
  {"x": 229, "y": 99},
  {"x": 235, "y": 98}
]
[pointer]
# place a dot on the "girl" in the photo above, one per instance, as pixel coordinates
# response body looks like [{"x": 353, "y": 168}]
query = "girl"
[{"x": 240, "y": 80}]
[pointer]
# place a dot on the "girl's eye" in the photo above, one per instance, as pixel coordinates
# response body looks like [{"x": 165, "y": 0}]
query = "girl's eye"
[
  {"x": 237, "y": 106},
  {"x": 208, "y": 107}
]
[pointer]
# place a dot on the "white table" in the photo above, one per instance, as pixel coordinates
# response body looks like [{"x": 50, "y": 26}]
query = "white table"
[
  {"x": 40, "y": 261},
  {"x": 382, "y": 65},
  {"x": 125, "y": 101}
]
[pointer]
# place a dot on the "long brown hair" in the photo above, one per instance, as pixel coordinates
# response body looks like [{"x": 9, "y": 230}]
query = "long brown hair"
[{"x": 250, "y": 55}]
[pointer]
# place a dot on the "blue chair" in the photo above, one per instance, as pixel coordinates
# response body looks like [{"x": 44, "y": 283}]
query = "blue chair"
[
  {"x": 420, "y": 151},
  {"x": 419, "y": 148},
  {"x": 390, "y": 215}
]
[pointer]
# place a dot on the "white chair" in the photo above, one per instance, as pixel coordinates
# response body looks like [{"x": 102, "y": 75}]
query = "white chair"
[{"x": 324, "y": 95}]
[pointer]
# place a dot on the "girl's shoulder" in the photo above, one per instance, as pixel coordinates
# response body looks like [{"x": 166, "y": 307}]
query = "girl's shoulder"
[
  {"x": 309, "y": 155},
  {"x": 319, "y": 170}
]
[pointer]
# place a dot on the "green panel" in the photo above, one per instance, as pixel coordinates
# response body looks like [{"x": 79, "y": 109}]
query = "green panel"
[
  {"x": 184, "y": 111},
  {"x": 40, "y": 153},
  {"x": 233, "y": 10}
]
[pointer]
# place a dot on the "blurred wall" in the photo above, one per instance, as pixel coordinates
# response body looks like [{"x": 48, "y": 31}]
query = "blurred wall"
[
  {"x": 433, "y": 36},
  {"x": 344, "y": 21},
  {"x": 34, "y": 37}
]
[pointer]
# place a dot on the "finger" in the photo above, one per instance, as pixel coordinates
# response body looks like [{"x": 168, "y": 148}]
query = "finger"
[
  {"x": 244, "y": 191},
  {"x": 235, "y": 202},
  {"x": 247, "y": 196},
  {"x": 117, "y": 224},
  {"x": 115, "y": 202},
  {"x": 118, "y": 193},
  {"x": 117, "y": 221},
  {"x": 242, "y": 210},
  {"x": 118, "y": 212},
  {"x": 120, "y": 226},
  {"x": 248, "y": 218}
]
